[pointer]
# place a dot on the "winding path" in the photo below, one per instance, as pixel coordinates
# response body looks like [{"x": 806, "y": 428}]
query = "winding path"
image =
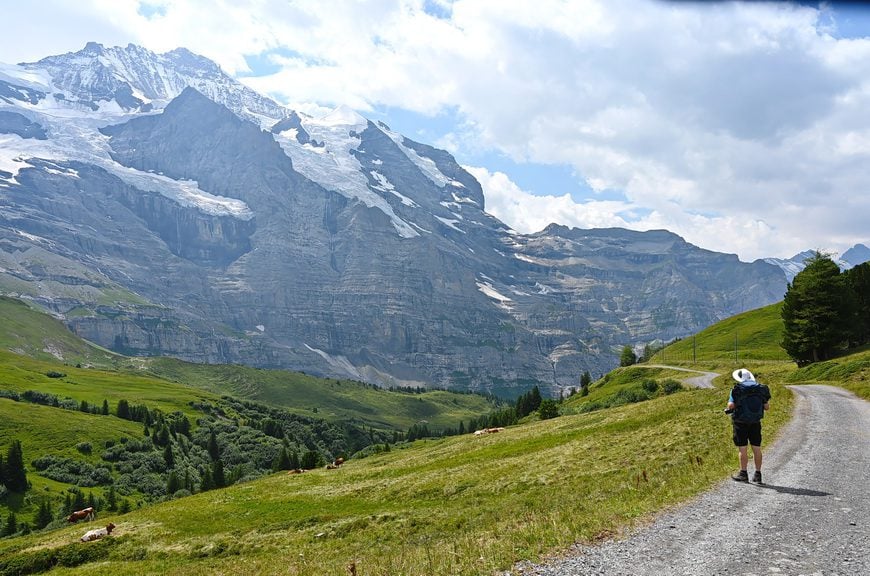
[
  {"x": 811, "y": 518},
  {"x": 705, "y": 380}
]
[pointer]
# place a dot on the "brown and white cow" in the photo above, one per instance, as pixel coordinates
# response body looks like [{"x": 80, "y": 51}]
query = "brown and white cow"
[
  {"x": 98, "y": 533},
  {"x": 83, "y": 514}
]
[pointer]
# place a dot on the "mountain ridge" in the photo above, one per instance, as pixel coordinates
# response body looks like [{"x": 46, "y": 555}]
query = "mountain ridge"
[{"x": 331, "y": 245}]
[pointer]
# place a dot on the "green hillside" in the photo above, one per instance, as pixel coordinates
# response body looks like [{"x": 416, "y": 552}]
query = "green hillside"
[
  {"x": 30, "y": 332},
  {"x": 752, "y": 335},
  {"x": 461, "y": 505},
  {"x": 328, "y": 398}
]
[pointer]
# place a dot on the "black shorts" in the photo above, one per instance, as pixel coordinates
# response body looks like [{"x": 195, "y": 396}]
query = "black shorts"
[{"x": 747, "y": 432}]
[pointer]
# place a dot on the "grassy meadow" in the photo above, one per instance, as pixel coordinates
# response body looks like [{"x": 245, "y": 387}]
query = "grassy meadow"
[
  {"x": 750, "y": 336},
  {"x": 461, "y": 505}
]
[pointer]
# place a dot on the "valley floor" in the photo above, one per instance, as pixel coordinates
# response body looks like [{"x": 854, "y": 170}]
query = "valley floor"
[{"x": 811, "y": 516}]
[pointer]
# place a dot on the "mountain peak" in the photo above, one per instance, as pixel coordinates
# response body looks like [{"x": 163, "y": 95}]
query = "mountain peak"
[{"x": 343, "y": 115}]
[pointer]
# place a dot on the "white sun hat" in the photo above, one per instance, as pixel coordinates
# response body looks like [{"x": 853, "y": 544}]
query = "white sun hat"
[{"x": 743, "y": 375}]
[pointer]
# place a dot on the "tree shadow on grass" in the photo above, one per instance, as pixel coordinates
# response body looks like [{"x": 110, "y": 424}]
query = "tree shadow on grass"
[{"x": 795, "y": 491}]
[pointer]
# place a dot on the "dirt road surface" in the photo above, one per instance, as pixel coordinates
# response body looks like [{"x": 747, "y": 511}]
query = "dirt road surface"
[{"x": 812, "y": 517}]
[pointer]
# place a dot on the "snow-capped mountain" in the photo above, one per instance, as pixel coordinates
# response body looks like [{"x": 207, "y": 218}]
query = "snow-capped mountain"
[
  {"x": 161, "y": 207},
  {"x": 857, "y": 254}
]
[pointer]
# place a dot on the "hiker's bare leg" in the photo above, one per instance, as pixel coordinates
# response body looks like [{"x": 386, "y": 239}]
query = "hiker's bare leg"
[
  {"x": 744, "y": 457},
  {"x": 756, "y": 453}
]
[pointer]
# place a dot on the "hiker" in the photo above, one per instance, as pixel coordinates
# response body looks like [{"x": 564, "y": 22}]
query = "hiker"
[{"x": 746, "y": 404}]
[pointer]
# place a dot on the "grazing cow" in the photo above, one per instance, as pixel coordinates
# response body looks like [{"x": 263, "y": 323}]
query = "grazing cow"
[
  {"x": 84, "y": 514},
  {"x": 487, "y": 431},
  {"x": 92, "y": 535},
  {"x": 335, "y": 464},
  {"x": 295, "y": 471}
]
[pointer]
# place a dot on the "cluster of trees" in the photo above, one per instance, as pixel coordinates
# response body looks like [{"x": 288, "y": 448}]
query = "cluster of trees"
[
  {"x": 826, "y": 311},
  {"x": 526, "y": 404},
  {"x": 234, "y": 441}
]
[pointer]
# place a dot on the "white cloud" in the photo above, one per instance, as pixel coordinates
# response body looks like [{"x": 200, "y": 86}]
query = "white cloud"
[{"x": 744, "y": 127}]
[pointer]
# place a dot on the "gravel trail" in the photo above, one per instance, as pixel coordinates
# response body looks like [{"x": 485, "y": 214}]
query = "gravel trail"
[
  {"x": 812, "y": 517},
  {"x": 705, "y": 380}
]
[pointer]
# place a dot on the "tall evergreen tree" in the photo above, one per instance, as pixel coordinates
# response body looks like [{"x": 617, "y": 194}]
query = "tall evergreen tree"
[
  {"x": 817, "y": 312},
  {"x": 217, "y": 474},
  {"x": 15, "y": 475},
  {"x": 213, "y": 448},
  {"x": 44, "y": 516},
  {"x": 105, "y": 410},
  {"x": 10, "y": 527},
  {"x": 123, "y": 410},
  {"x": 173, "y": 484},
  {"x": 585, "y": 379},
  {"x": 628, "y": 357},
  {"x": 858, "y": 279},
  {"x": 111, "y": 499}
]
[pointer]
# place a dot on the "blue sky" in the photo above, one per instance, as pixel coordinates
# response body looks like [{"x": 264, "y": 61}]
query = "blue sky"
[{"x": 742, "y": 126}]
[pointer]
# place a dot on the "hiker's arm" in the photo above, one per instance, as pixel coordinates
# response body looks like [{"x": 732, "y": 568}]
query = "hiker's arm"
[{"x": 767, "y": 406}]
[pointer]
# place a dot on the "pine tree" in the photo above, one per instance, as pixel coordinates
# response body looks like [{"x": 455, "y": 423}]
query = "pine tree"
[
  {"x": 858, "y": 279},
  {"x": 123, "y": 410},
  {"x": 282, "y": 461},
  {"x": 206, "y": 483},
  {"x": 217, "y": 474},
  {"x": 105, "y": 410},
  {"x": 15, "y": 475},
  {"x": 173, "y": 484},
  {"x": 213, "y": 448},
  {"x": 628, "y": 357},
  {"x": 44, "y": 516},
  {"x": 168, "y": 456},
  {"x": 818, "y": 312},
  {"x": 10, "y": 527},
  {"x": 111, "y": 499},
  {"x": 78, "y": 500}
]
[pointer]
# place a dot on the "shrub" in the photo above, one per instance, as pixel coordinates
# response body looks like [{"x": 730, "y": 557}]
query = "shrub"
[
  {"x": 84, "y": 447},
  {"x": 72, "y": 471},
  {"x": 670, "y": 386},
  {"x": 54, "y": 374},
  {"x": 650, "y": 385}
]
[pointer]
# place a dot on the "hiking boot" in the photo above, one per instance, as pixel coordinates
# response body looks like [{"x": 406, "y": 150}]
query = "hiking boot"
[
  {"x": 757, "y": 477},
  {"x": 742, "y": 476}
]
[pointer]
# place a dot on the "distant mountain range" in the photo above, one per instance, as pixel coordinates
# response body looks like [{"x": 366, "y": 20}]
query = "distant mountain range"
[
  {"x": 857, "y": 254},
  {"x": 158, "y": 206}
]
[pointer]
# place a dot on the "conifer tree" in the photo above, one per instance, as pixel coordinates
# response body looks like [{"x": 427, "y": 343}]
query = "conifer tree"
[
  {"x": 173, "y": 484},
  {"x": 15, "y": 476},
  {"x": 818, "y": 312},
  {"x": 10, "y": 527},
  {"x": 105, "y": 410},
  {"x": 213, "y": 448},
  {"x": 44, "y": 516},
  {"x": 628, "y": 357},
  {"x": 217, "y": 474},
  {"x": 858, "y": 279},
  {"x": 123, "y": 410},
  {"x": 111, "y": 499}
]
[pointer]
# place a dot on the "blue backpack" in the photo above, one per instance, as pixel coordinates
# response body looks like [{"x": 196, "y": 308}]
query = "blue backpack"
[{"x": 749, "y": 402}]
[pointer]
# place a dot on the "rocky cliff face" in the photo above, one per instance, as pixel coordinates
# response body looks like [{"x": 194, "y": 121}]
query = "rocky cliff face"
[{"x": 204, "y": 221}]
